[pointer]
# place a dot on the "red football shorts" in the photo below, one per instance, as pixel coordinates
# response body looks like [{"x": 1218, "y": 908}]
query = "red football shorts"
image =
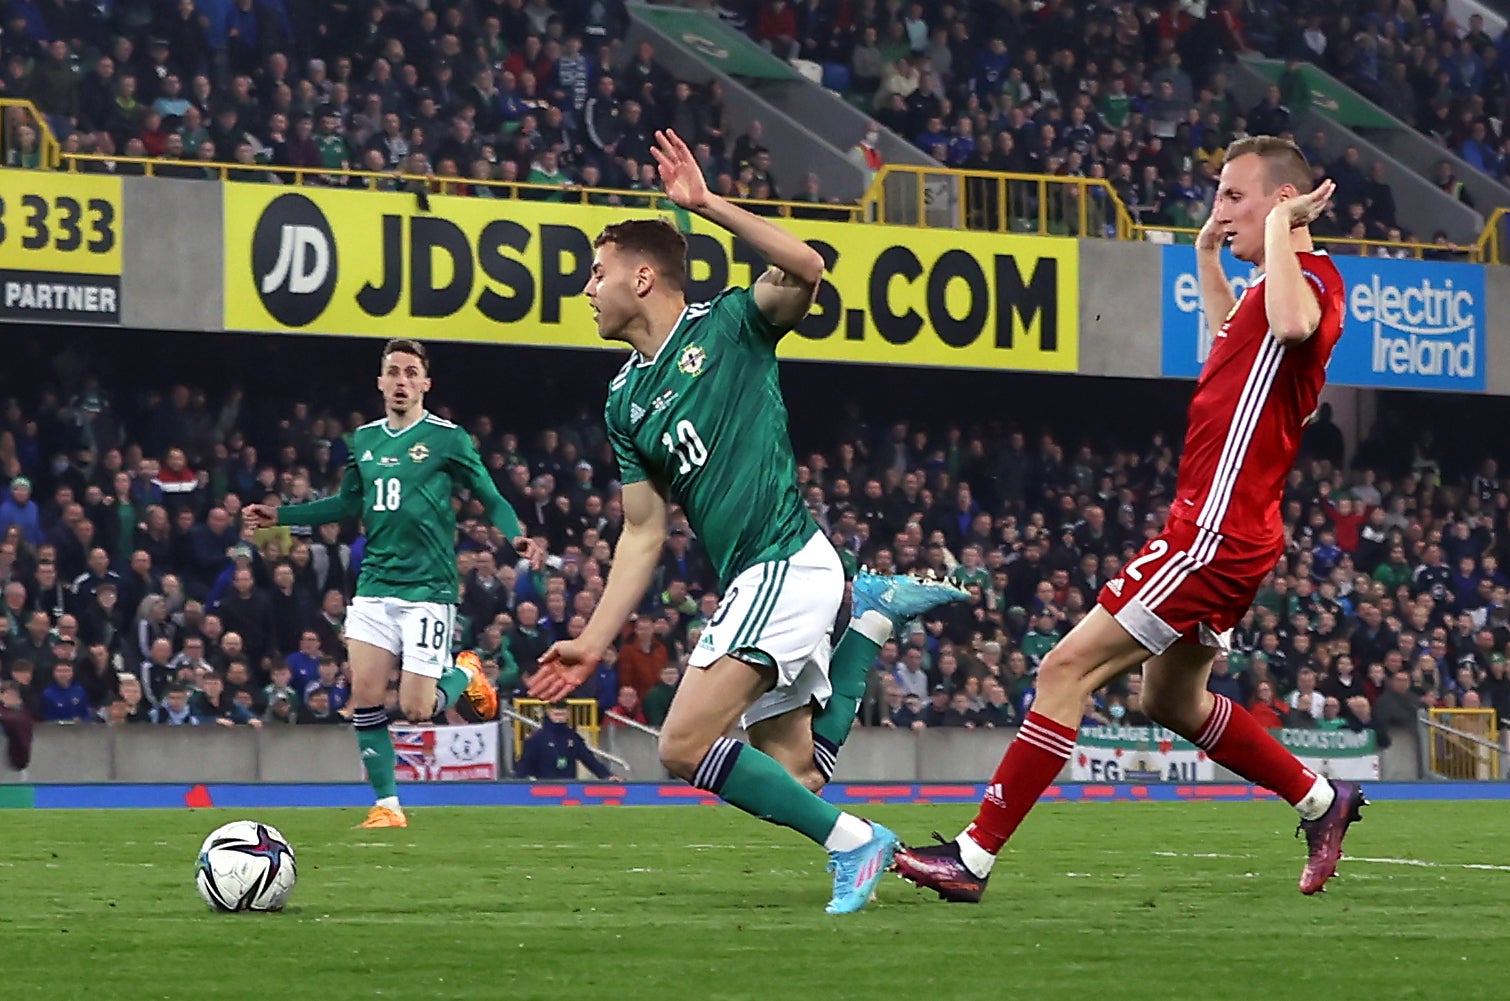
[{"x": 1188, "y": 585}]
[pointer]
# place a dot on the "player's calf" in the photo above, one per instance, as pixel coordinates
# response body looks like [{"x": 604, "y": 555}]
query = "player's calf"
[{"x": 1178, "y": 711}]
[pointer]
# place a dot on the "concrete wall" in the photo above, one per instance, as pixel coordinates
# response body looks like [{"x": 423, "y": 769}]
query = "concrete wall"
[
  {"x": 328, "y": 754},
  {"x": 190, "y": 754},
  {"x": 1497, "y": 345},
  {"x": 173, "y": 243},
  {"x": 1121, "y": 308}
]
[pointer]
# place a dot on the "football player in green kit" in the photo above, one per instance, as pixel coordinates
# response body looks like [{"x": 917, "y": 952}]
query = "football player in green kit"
[
  {"x": 399, "y": 478},
  {"x": 696, "y": 415}
]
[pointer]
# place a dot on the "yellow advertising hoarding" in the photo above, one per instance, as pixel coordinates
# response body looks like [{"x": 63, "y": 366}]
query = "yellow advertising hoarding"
[
  {"x": 511, "y": 272},
  {"x": 60, "y": 247}
]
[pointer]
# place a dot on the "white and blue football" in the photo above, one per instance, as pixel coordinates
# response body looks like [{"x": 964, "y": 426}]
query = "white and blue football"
[{"x": 246, "y": 866}]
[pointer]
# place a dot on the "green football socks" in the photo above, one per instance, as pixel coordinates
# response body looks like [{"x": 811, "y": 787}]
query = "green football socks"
[
  {"x": 376, "y": 746},
  {"x": 847, "y": 673},
  {"x": 453, "y": 681},
  {"x": 753, "y": 781}
]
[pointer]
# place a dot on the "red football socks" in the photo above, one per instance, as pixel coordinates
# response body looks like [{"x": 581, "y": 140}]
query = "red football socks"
[
  {"x": 1032, "y": 762},
  {"x": 1236, "y": 741}
]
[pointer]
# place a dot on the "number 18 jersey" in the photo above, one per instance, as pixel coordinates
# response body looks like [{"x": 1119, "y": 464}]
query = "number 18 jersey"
[{"x": 704, "y": 421}]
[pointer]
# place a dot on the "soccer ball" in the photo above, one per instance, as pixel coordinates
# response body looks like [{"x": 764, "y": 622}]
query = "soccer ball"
[{"x": 245, "y": 866}]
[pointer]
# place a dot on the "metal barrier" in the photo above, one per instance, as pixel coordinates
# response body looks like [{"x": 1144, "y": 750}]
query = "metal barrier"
[
  {"x": 1462, "y": 744},
  {"x": 1494, "y": 243},
  {"x": 900, "y": 195},
  {"x": 1154, "y": 233},
  {"x": 432, "y": 184},
  {"x": 1035, "y": 204},
  {"x": 584, "y": 719},
  {"x": 14, "y": 114}
]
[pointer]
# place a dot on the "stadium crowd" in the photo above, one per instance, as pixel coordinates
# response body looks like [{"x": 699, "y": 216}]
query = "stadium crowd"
[
  {"x": 1139, "y": 93},
  {"x": 131, "y": 594},
  {"x": 459, "y": 93},
  {"x": 509, "y": 91}
]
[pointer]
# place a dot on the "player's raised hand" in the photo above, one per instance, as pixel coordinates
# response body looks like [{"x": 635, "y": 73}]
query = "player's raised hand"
[
  {"x": 1302, "y": 210},
  {"x": 563, "y": 668},
  {"x": 680, "y": 175},
  {"x": 1211, "y": 236},
  {"x": 531, "y": 550},
  {"x": 259, "y": 516}
]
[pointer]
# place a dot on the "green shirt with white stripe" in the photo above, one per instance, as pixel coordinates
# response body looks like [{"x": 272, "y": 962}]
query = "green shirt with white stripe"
[
  {"x": 705, "y": 422},
  {"x": 401, "y": 484}
]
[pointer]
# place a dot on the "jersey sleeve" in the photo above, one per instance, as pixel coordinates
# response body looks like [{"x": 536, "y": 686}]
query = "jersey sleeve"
[
  {"x": 467, "y": 470},
  {"x": 745, "y": 320},
  {"x": 344, "y": 503},
  {"x": 631, "y": 467},
  {"x": 1326, "y": 283}
]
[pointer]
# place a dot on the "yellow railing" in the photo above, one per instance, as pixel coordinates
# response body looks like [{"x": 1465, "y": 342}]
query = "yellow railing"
[
  {"x": 1494, "y": 243},
  {"x": 1154, "y": 233},
  {"x": 15, "y": 112},
  {"x": 936, "y": 197},
  {"x": 584, "y": 719},
  {"x": 1468, "y": 746},
  {"x": 1041, "y": 204},
  {"x": 431, "y": 184}
]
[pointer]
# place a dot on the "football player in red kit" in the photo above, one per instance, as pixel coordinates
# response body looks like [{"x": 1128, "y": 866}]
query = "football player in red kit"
[{"x": 1173, "y": 604}]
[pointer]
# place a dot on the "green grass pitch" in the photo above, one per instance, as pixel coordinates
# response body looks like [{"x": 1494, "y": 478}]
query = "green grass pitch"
[{"x": 1118, "y": 901}]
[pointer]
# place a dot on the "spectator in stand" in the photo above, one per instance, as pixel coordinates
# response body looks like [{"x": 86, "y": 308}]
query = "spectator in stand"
[
  {"x": 20, "y": 510},
  {"x": 627, "y": 707},
  {"x": 316, "y": 710},
  {"x": 248, "y": 611},
  {"x": 65, "y": 701},
  {"x": 174, "y": 709},
  {"x": 642, "y": 657},
  {"x": 555, "y": 750},
  {"x": 330, "y": 682},
  {"x": 656, "y": 703},
  {"x": 15, "y": 725}
]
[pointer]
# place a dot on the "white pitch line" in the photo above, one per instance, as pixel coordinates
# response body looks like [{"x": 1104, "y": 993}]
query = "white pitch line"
[
  {"x": 1199, "y": 855},
  {"x": 1422, "y": 863},
  {"x": 1415, "y": 862}
]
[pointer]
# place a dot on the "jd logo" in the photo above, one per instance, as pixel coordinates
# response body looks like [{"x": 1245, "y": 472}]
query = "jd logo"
[{"x": 294, "y": 260}]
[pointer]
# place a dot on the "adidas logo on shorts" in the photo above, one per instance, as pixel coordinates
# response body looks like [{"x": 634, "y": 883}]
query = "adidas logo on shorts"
[{"x": 1115, "y": 586}]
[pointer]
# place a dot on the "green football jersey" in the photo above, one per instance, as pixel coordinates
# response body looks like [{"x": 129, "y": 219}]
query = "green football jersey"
[
  {"x": 401, "y": 483},
  {"x": 705, "y": 422}
]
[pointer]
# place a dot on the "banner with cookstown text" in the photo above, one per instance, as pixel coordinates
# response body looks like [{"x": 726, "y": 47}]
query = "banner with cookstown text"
[
  {"x": 1408, "y": 324},
  {"x": 446, "y": 753},
  {"x": 1335, "y": 754},
  {"x": 60, "y": 247},
  {"x": 1153, "y": 754},
  {"x": 511, "y": 272}
]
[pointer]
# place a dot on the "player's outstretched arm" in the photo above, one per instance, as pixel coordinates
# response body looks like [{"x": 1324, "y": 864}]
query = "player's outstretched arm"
[
  {"x": 784, "y": 298},
  {"x": 468, "y": 469},
  {"x": 344, "y": 503},
  {"x": 1217, "y": 299},
  {"x": 569, "y": 663},
  {"x": 1291, "y": 301}
]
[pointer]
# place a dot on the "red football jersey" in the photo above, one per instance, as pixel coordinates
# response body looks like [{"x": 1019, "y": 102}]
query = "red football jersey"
[{"x": 1252, "y": 401}]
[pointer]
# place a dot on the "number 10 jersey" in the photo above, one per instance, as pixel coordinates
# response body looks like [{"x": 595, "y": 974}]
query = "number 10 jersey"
[{"x": 704, "y": 421}]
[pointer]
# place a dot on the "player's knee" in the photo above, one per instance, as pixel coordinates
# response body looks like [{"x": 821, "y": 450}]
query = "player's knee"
[
  {"x": 1059, "y": 671},
  {"x": 681, "y": 754},
  {"x": 811, "y": 778}
]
